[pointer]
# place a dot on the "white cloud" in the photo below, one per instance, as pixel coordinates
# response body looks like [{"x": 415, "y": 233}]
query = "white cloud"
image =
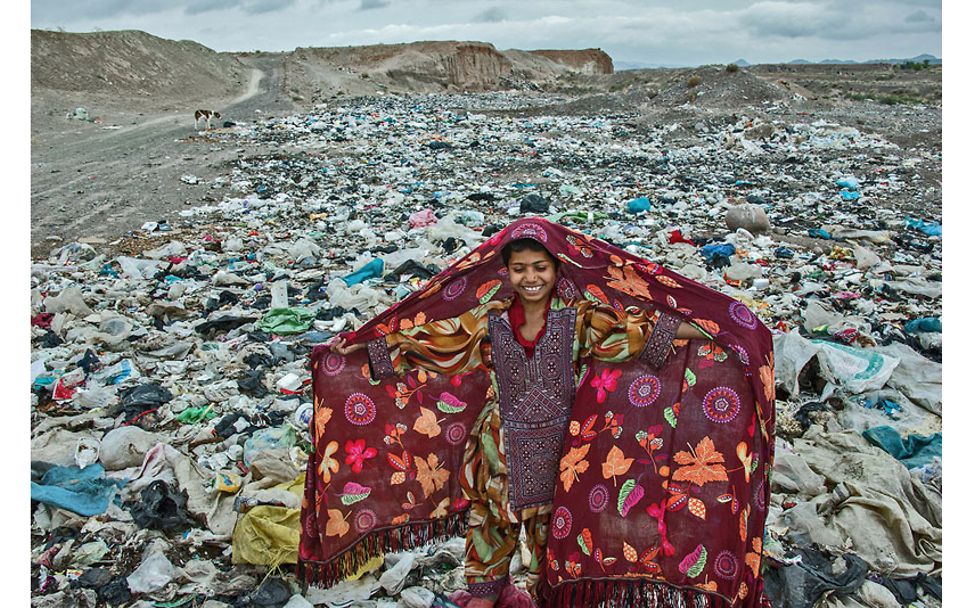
[{"x": 653, "y": 31}]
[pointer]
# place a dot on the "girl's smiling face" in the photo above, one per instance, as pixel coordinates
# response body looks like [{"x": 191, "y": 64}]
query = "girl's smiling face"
[{"x": 532, "y": 275}]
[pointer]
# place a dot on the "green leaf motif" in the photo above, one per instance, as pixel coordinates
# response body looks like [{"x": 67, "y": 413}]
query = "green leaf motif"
[
  {"x": 670, "y": 416},
  {"x": 351, "y": 499},
  {"x": 698, "y": 567},
  {"x": 490, "y": 294},
  {"x": 581, "y": 543},
  {"x": 591, "y": 298},
  {"x": 624, "y": 492},
  {"x": 690, "y": 377},
  {"x": 446, "y": 408}
]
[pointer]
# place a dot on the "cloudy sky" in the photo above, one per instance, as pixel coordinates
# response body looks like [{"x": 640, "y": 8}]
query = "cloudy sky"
[{"x": 646, "y": 31}]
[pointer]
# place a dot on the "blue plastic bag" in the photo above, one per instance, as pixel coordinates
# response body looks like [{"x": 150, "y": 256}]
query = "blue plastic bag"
[
  {"x": 638, "y": 205},
  {"x": 370, "y": 271}
]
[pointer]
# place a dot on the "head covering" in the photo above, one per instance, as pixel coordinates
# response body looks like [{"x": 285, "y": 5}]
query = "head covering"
[{"x": 664, "y": 487}]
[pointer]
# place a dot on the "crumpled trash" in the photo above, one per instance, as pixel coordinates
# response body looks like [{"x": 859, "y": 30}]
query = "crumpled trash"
[
  {"x": 422, "y": 219},
  {"x": 83, "y": 491},
  {"x": 287, "y": 321},
  {"x": 370, "y": 271},
  {"x": 749, "y": 217},
  {"x": 179, "y": 303},
  {"x": 533, "y": 203},
  {"x": 145, "y": 397},
  {"x": 927, "y": 228},
  {"x": 155, "y": 571},
  {"x": 801, "y": 585},
  {"x": 268, "y": 535},
  {"x": 854, "y": 370},
  {"x": 926, "y": 324},
  {"x": 638, "y": 205},
  {"x": 267, "y": 439},
  {"x": 160, "y": 508},
  {"x": 273, "y": 593},
  {"x": 914, "y": 451},
  {"x": 125, "y": 447},
  {"x": 713, "y": 252}
]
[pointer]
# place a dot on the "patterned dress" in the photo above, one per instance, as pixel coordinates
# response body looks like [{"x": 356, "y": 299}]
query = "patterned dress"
[{"x": 510, "y": 463}]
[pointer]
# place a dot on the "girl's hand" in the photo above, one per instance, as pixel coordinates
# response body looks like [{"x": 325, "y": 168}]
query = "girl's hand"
[{"x": 341, "y": 347}]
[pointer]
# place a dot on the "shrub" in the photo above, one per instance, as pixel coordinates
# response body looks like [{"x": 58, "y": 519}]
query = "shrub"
[
  {"x": 731, "y": 68},
  {"x": 694, "y": 81}
]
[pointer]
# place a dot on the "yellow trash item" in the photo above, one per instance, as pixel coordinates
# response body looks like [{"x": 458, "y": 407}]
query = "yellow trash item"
[
  {"x": 268, "y": 535},
  {"x": 227, "y": 482}
]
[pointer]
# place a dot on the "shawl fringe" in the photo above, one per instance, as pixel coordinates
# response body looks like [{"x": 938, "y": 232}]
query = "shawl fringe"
[
  {"x": 626, "y": 593},
  {"x": 411, "y": 535}
]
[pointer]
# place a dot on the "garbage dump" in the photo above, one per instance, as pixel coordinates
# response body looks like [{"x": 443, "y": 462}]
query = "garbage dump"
[{"x": 170, "y": 394}]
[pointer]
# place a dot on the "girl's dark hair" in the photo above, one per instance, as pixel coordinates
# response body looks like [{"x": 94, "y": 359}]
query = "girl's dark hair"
[{"x": 526, "y": 245}]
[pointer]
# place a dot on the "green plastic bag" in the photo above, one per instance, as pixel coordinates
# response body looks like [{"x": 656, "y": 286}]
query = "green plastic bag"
[{"x": 286, "y": 321}]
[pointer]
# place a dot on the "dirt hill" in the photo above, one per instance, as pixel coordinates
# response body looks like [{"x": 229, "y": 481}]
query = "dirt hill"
[
  {"x": 134, "y": 65},
  {"x": 131, "y": 64},
  {"x": 433, "y": 66}
]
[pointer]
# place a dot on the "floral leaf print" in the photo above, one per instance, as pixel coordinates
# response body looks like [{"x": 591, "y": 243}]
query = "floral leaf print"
[
  {"x": 450, "y": 404},
  {"x": 701, "y": 464},
  {"x": 698, "y": 508},
  {"x": 670, "y": 414},
  {"x": 615, "y": 464},
  {"x": 411, "y": 502},
  {"x": 690, "y": 378},
  {"x": 394, "y": 433},
  {"x": 486, "y": 291},
  {"x": 753, "y": 558},
  {"x": 322, "y": 417},
  {"x": 745, "y": 512},
  {"x": 665, "y": 280},
  {"x": 336, "y": 526},
  {"x": 648, "y": 557},
  {"x": 358, "y": 454},
  {"x": 420, "y": 319},
  {"x": 629, "y": 552},
  {"x": 747, "y": 460},
  {"x": 766, "y": 373},
  {"x": 595, "y": 294},
  {"x": 693, "y": 564},
  {"x": 628, "y": 281},
  {"x": 707, "y": 326},
  {"x": 430, "y": 475},
  {"x": 440, "y": 510},
  {"x": 651, "y": 441},
  {"x": 403, "y": 466},
  {"x": 354, "y": 493},
  {"x": 604, "y": 561},
  {"x": 427, "y": 424},
  {"x": 585, "y": 541},
  {"x": 328, "y": 464},
  {"x": 605, "y": 383},
  {"x": 587, "y": 431},
  {"x": 629, "y": 494},
  {"x": 573, "y": 464}
]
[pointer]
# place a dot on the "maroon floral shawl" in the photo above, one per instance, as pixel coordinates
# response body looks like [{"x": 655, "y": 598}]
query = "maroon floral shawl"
[{"x": 664, "y": 477}]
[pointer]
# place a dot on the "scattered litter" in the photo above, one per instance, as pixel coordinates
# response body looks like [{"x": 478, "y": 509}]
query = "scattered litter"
[{"x": 170, "y": 396}]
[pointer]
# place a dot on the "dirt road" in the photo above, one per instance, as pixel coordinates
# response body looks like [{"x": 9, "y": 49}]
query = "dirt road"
[{"x": 94, "y": 183}]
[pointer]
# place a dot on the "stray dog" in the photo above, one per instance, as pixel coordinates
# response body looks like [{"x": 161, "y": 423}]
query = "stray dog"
[{"x": 207, "y": 115}]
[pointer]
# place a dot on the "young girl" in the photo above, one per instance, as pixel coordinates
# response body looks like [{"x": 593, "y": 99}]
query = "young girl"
[
  {"x": 550, "y": 382},
  {"x": 532, "y": 344}
]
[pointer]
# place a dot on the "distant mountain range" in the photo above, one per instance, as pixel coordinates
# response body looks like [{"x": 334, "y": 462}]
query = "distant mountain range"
[{"x": 639, "y": 65}]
